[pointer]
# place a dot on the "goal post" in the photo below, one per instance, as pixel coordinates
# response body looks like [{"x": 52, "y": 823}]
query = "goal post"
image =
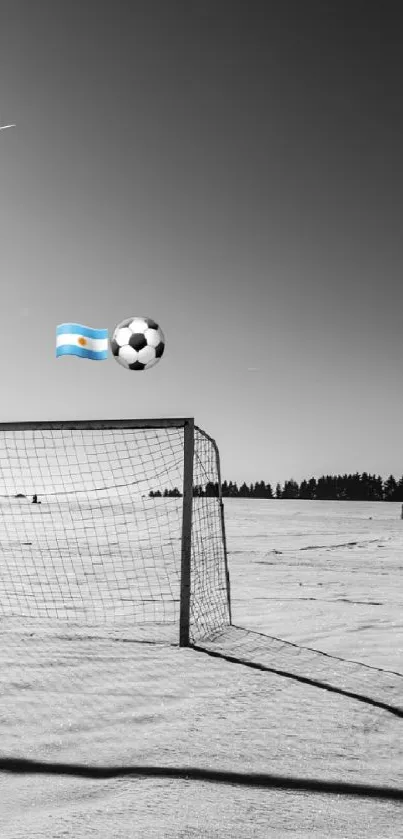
[
  {"x": 186, "y": 545},
  {"x": 116, "y": 525}
]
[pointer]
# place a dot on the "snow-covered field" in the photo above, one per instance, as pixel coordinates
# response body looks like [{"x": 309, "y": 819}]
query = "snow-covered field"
[
  {"x": 322, "y": 574},
  {"x": 319, "y": 574}
]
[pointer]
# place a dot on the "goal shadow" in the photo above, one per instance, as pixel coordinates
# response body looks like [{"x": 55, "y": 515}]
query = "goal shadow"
[{"x": 374, "y": 686}]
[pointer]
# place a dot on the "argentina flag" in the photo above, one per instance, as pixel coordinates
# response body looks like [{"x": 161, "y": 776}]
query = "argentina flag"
[{"x": 75, "y": 339}]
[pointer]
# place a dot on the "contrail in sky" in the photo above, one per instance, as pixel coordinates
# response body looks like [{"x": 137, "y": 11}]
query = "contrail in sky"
[{"x": 2, "y": 127}]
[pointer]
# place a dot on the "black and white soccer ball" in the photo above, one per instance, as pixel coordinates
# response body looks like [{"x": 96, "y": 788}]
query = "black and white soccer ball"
[{"x": 137, "y": 343}]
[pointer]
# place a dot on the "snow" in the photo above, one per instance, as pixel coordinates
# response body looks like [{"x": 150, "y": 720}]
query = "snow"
[{"x": 322, "y": 575}]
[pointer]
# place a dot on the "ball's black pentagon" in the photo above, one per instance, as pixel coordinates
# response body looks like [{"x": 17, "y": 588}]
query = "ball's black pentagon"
[
  {"x": 151, "y": 323},
  {"x": 137, "y": 341},
  {"x": 137, "y": 366},
  {"x": 114, "y": 347},
  {"x": 159, "y": 349}
]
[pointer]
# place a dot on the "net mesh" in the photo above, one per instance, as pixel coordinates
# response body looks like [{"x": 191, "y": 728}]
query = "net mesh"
[
  {"x": 209, "y": 601},
  {"x": 96, "y": 549},
  {"x": 101, "y": 547}
]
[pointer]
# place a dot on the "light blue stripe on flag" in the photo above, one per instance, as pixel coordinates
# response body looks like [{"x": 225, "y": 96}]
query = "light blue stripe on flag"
[
  {"x": 70, "y": 349},
  {"x": 79, "y": 329},
  {"x": 76, "y": 339}
]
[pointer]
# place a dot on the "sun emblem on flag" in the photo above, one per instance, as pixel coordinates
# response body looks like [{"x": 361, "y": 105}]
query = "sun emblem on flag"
[{"x": 82, "y": 341}]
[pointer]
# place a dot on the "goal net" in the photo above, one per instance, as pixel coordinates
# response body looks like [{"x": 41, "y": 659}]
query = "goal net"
[{"x": 115, "y": 526}]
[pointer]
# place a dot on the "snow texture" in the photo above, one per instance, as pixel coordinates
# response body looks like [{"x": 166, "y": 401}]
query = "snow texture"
[{"x": 319, "y": 575}]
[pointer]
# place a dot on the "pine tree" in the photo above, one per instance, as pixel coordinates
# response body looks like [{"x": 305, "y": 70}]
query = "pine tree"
[
  {"x": 390, "y": 489},
  {"x": 291, "y": 489},
  {"x": 304, "y": 490}
]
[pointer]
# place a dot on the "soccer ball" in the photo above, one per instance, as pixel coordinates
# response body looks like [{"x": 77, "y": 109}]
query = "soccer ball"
[{"x": 137, "y": 343}]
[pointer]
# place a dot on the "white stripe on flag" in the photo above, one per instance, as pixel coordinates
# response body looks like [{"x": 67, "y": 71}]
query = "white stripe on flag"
[{"x": 95, "y": 344}]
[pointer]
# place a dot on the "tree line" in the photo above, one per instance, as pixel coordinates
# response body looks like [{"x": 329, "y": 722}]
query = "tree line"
[{"x": 353, "y": 487}]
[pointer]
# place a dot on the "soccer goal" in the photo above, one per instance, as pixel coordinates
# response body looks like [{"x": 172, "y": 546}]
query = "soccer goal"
[{"x": 116, "y": 525}]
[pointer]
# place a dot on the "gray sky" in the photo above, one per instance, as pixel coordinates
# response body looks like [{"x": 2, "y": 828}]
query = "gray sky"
[{"x": 233, "y": 170}]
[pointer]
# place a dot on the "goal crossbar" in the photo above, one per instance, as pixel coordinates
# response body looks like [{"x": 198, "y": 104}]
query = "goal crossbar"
[{"x": 164, "y": 422}]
